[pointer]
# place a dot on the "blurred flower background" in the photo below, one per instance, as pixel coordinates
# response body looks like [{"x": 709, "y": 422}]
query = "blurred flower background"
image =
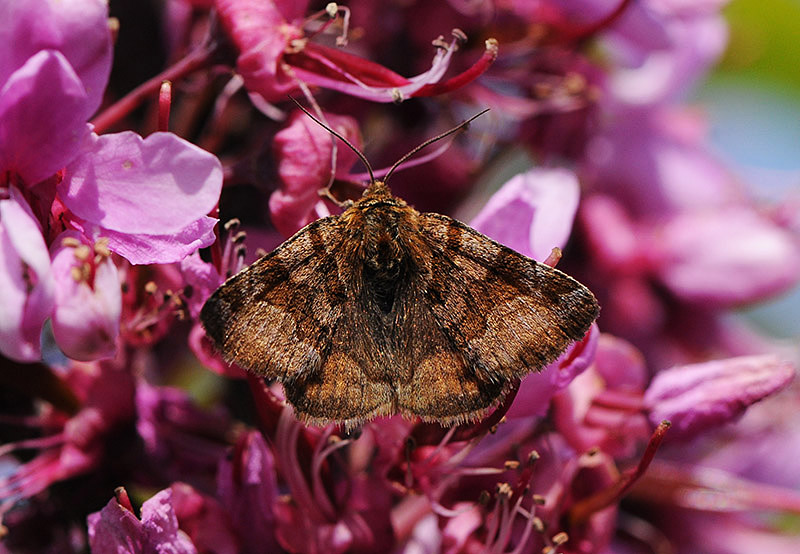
[{"x": 148, "y": 150}]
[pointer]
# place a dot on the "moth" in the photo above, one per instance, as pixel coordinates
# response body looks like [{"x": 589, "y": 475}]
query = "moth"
[{"x": 383, "y": 310}]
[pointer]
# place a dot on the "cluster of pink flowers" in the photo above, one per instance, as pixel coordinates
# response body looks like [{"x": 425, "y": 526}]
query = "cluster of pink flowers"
[{"x": 122, "y": 430}]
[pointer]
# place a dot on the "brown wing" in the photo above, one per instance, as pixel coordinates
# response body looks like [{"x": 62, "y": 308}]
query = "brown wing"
[
  {"x": 292, "y": 316},
  {"x": 497, "y": 316}
]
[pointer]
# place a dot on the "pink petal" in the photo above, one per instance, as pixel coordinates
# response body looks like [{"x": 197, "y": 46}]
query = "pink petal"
[
  {"x": 728, "y": 256},
  {"x": 533, "y": 212},
  {"x": 204, "y": 520},
  {"x": 27, "y": 298},
  {"x": 116, "y": 529},
  {"x": 356, "y": 76},
  {"x": 698, "y": 396},
  {"x": 303, "y": 150},
  {"x": 153, "y": 186},
  {"x": 86, "y": 317},
  {"x": 162, "y": 249},
  {"x": 161, "y": 526},
  {"x": 209, "y": 355},
  {"x": 203, "y": 278},
  {"x": 248, "y": 490},
  {"x": 42, "y": 117},
  {"x": 696, "y": 42},
  {"x": 33, "y": 26}
]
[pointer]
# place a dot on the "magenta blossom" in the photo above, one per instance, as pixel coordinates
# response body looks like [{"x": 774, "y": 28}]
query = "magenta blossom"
[
  {"x": 276, "y": 57},
  {"x": 146, "y": 199}
]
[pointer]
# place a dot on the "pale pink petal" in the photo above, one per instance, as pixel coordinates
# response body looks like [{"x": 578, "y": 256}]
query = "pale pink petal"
[
  {"x": 25, "y": 279},
  {"x": 698, "y": 396},
  {"x": 696, "y": 42},
  {"x": 42, "y": 117},
  {"x": 88, "y": 305},
  {"x": 35, "y": 25},
  {"x": 533, "y": 212},
  {"x": 161, "y": 249},
  {"x": 725, "y": 256},
  {"x": 153, "y": 186}
]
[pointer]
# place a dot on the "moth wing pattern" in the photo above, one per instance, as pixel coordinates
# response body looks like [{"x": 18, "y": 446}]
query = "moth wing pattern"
[
  {"x": 289, "y": 317},
  {"x": 506, "y": 315}
]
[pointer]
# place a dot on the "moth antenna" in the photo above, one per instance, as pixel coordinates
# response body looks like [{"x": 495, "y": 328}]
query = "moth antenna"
[
  {"x": 357, "y": 152},
  {"x": 455, "y": 129}
]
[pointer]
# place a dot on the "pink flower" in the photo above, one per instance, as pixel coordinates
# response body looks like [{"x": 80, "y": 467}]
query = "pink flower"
[
  {"x": 275, "y": 57},
  {"x": 603, "y": 406},
  {"x": 51, "y": 83},
  {"x": 183, "y": 441},
  {"x": 147, "y": 199}
]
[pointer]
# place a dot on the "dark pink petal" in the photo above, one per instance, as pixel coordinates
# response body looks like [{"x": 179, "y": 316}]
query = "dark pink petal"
[
  {"x": 248, "y": 490},
  {"x": 602, "y": 407},
  {"x": 203, "y": 278},
  {"x": 533, "y": 212},
  {"x": 25, "y": 279},
  {"x": 204, "y": 520},
  {"x": 303, "y": 150},
  {"x": 153, "y": 186},
  {"x": 78, "y": 29},
  {"x": 42, "y": 117},
  {"x": 161, "y": 249},
  {"x": 88, "y": 298},
  {"x": 698, "y": 396},
  {"x": 725, "y": 256}
]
